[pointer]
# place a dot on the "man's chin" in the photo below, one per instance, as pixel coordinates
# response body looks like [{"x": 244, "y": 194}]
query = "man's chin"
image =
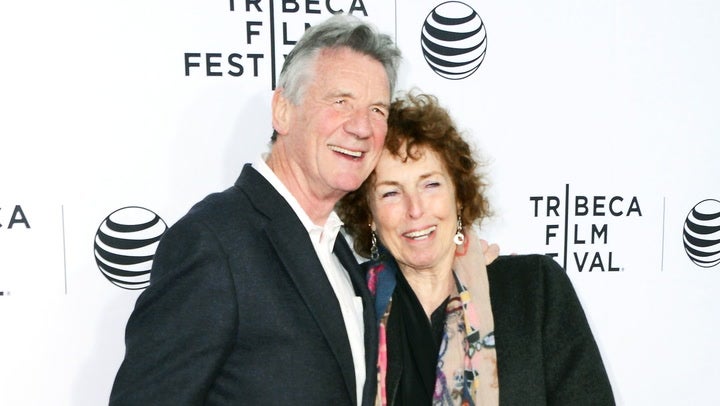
[{"x": 348, "y": 185}]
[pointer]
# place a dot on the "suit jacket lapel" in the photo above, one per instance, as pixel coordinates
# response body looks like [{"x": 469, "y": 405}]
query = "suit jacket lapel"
[
  {"x": 296, "y": 252},
  {"x": 348, "y": 261}
]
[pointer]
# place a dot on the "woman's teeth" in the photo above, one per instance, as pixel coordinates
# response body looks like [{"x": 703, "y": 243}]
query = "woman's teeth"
[{"x": 420, "y": 234}]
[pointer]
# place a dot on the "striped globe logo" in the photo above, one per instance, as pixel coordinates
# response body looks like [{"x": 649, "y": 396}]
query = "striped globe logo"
[
  {"x": 453, "y": 40},
  {"x": 701, "y": 234},
  {"x": 125, "y": 245}
]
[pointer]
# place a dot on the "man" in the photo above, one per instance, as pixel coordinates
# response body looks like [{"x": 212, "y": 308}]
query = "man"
[{"x": 254, "y": 298}]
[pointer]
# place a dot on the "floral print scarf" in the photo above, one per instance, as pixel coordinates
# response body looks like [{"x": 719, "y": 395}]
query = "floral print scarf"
[{"x": 467, "y": 363}]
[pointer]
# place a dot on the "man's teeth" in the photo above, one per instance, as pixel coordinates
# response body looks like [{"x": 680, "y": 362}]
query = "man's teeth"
[
  {"x": 420, "y": 234},
  {"x": 355, "y": 154}
]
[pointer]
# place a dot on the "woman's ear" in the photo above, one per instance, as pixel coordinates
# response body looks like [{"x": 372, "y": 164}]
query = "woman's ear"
[{"x": 281, "y": 111}]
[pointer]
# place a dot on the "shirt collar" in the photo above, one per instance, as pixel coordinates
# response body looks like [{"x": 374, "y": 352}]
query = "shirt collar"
[{"x": 320, "y": 235}]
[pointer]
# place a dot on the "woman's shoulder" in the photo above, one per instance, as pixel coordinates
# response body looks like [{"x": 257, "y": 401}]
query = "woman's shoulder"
[
  {"x": 524, "y": 263},
  {"x": 531, "y": 270}
]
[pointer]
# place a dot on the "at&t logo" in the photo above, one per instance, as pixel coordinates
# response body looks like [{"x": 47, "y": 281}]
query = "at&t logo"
[
  {"x": 453, "y": 40},
  {"x": 125, "y": 245},
  {"x": 701, "y": 233}
]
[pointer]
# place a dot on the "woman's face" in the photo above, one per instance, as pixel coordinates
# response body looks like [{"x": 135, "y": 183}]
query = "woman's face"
[{"x": 414, "y": 210}]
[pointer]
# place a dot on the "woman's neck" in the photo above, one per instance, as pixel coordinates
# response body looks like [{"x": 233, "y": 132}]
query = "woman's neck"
[{"x": 431, "y": 286}]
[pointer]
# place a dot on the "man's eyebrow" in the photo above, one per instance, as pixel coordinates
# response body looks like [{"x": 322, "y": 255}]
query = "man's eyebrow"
[
  {"x": 342, "y": 93},
  {"x": 350, "y": 94}
]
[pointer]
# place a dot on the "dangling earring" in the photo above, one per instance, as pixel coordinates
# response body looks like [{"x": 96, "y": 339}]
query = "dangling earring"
[
  {"x": 459, "y": 238},
  {"x": 374, "y": 254}
]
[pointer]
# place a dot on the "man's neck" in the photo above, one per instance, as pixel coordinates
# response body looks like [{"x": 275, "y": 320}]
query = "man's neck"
[{"x": 317, "y": 207}]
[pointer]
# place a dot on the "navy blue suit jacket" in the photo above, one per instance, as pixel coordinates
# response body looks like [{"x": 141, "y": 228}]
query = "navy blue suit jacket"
[{"x": 239, "y": 311}]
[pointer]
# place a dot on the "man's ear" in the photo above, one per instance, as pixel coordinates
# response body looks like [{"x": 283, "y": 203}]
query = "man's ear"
[{"x": 281, "y": 111}]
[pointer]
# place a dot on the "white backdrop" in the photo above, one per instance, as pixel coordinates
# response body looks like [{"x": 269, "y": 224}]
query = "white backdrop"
[{"x": 610, "y": 103}]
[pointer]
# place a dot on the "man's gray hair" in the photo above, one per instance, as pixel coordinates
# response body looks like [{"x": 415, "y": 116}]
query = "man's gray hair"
[{"x": 338, "y": 31}]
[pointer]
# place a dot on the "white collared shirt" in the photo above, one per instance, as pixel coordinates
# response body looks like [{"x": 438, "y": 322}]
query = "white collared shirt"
[{"x": 323, "y": 240}]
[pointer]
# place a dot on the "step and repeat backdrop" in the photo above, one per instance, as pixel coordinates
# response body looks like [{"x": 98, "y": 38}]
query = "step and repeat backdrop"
[{"x": 598, "y": 123}]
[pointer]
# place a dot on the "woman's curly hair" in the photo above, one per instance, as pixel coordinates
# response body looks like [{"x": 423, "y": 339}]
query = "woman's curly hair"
[{"x": 417, "y": 121}]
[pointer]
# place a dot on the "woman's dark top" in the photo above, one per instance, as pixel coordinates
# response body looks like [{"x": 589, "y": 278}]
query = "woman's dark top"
[{"x": 416, "y": 345}]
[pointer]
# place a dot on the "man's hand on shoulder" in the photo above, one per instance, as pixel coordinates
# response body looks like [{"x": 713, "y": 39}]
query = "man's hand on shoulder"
[{"x": 491, "y": 251}]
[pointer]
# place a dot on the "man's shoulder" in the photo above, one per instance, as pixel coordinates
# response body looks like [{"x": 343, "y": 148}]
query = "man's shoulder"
[
  {"x": 217, "y": 205},
  {"x": 221, "y": 208},
  {"x": 233, "y": 201},
  {"x": 241, "y": 209}
]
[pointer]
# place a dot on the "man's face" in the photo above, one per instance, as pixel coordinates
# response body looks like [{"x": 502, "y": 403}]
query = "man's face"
[{"x": 336, "y": 133}]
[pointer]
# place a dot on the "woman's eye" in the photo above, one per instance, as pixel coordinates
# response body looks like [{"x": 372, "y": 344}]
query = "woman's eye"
[
  {"x": 390, "y": 193},
  {"x": 432, "y": 184}
]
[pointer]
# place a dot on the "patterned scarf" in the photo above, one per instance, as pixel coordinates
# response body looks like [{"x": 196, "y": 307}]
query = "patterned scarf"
[{"x": 467, "y": 363}]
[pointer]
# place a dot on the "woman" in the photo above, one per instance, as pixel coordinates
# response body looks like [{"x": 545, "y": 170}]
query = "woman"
[{"x": 451, "y": 330}]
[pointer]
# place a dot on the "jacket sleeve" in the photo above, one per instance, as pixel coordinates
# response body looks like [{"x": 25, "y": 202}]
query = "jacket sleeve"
[
  {"x": 574, "y": 370},
  {"x": 183, "y": 326}
]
